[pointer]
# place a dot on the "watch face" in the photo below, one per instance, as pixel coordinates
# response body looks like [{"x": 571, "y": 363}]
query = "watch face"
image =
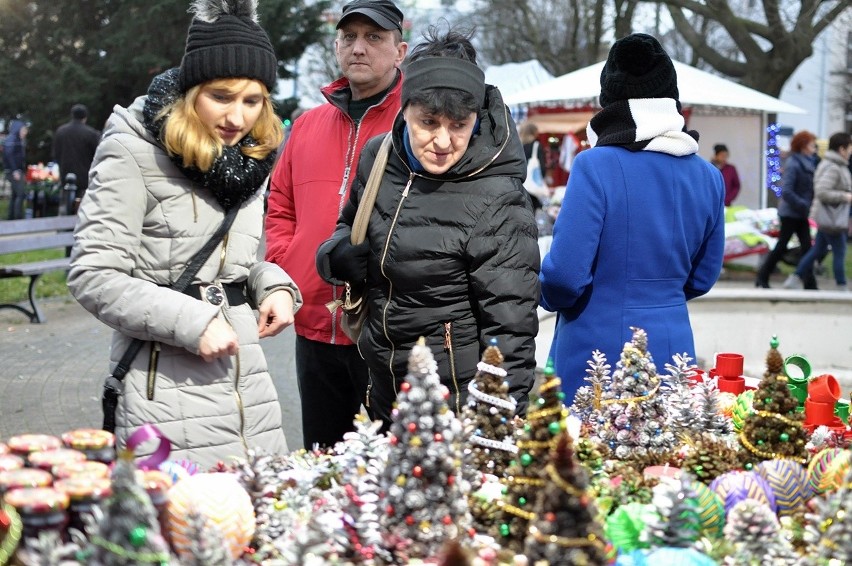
[{"x": 214, "y": 295}]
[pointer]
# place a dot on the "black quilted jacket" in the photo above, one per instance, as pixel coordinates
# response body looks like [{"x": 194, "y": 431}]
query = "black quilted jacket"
[{"x": 454, "y": 259}]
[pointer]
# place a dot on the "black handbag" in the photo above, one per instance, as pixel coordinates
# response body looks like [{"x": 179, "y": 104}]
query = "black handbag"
[{"x": 113, "y": 382}]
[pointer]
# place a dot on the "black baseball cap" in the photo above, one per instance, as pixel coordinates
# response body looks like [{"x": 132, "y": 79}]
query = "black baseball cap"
[{"x": 383, "y": 12}]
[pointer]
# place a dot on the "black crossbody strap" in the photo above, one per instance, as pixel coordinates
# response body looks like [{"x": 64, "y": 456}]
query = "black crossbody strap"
[{"x": 180, "y": 285}]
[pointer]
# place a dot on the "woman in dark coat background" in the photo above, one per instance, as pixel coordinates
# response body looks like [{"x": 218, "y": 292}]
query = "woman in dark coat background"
[
  {"x": 797, "y": 195},
  {"x": 451, "y": 251}
]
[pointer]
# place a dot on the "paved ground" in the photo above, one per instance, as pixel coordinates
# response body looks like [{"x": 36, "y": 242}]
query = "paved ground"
[{"x": 51, "y": 373}]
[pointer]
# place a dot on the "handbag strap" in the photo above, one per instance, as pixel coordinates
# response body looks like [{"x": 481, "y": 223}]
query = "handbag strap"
[
  {"x": 368, "y": 199},
  {"x": 189, "y": 272}
]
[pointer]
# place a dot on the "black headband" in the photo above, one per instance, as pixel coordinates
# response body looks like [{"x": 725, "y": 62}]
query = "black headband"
[{"x": 443, "y": 72}]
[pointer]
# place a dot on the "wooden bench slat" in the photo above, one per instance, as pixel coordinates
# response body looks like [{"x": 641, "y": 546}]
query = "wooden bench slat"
[
  {"x": 36, "y": 242},
  {"x": 29, "y": 225},
  {"x": 35, "y": 267}
]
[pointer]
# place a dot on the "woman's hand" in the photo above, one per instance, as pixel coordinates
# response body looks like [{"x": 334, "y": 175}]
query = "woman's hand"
[
  {"x": 219, "y": 340},
  {"x": 276, "y": 313}
]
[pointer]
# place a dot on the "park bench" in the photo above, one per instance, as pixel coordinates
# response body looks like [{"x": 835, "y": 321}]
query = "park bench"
[{"x": 30, "y": 235}]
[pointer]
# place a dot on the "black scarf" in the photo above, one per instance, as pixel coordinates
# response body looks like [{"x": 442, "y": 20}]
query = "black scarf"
[
  {"x": 654, "y": 124},
  {"x": 234, "y": 177}
]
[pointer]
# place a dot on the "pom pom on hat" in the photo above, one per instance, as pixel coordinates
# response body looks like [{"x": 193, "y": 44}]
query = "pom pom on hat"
[
  {"x": 225, "y": 40},
  {"x": 637, "y": 67}
]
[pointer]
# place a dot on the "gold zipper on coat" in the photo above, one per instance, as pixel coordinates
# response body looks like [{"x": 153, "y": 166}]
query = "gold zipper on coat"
[
  {"x": 153, "y": 360},
  {"x": 390, "y": 284},
  {"x": 448, "y": 346}
]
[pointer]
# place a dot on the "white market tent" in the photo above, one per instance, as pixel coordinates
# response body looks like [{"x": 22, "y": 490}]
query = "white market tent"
[
  {"x": 696, "y": 87},
  {"x": 721, "y": 110},
  {"x": 514, "y": 77}
]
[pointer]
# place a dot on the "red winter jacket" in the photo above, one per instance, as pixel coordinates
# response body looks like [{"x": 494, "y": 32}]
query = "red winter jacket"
[{"x": 308, "y": 188}]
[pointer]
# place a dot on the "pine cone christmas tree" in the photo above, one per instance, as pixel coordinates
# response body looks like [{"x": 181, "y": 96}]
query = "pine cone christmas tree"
[
  {"x": 586, "y": 405},
  {"x": 565, "y": 530},
  {"x": 207, "y": 547},
  {"x": 129, "y": 532},
  {"x": 633, "y": 413},
  {"x": 775, "y": 429},
  {"x": 426, "y": 497},
  {"x": 709, "y": 456},
  {"x": 679, "y": 396},
  {"x": 487, "y": 419},
  {"x": 678, "y": 525},
  {"x": 754, "y": 531},
  {"x": 829, "y": 528},
  {"x": 363, "y": 457},
  {"x": 524, "y": 477}
]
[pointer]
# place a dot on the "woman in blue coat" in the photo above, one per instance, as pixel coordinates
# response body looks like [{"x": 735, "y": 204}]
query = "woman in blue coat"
[{"x": 641, "y": 229}]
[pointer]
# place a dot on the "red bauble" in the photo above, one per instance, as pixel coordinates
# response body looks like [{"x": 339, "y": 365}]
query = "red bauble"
[
  {"x": 417, "y": 471},
  {"x": 389, "y": 510},
  {"x": 409, "y": 520},
  {"x": 447, "y": 519},
  {"x": 550, "y": 517},
  {"x": 439, "y": 437},
  {"x": 451, "y": 480},
  {"x": 405, "y": 386},
  {"x": 412, "y": 427}
]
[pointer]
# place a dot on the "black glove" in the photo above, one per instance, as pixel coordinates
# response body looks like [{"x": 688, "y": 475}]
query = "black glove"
[{"x": 349, "y": 263}]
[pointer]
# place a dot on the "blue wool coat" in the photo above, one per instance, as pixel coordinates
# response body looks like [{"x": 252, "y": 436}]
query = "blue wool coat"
[{"x": 638, "y": 235}]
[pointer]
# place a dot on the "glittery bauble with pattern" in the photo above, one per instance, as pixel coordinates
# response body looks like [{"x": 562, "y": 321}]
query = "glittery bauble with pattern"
[
  {"x": 789, "y": 483},
  {"x": 733, "y": 487},
  {"x": 742, "y": 409},
  {"x": 221, "y": 500}
]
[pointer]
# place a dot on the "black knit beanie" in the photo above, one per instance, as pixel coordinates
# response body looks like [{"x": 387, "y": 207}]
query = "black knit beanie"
[
  {"x": 637, "y": 67},
  {"x": 225, "y": 40}
]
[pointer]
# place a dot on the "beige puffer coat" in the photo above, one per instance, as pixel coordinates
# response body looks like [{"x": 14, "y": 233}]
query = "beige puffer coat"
[{"x": 139, "y": 223}]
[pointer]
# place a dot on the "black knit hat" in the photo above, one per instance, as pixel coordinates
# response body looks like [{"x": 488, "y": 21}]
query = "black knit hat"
[
  {"x": 637, "y": 67},
  {"x": 225, "y": 40}
]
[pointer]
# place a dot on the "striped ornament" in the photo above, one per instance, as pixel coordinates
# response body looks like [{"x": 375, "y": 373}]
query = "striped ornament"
[
  {"x": 711, "y": 510},
  {"x": 788, "y": 481},
  {"x": 820, "y": 465},
  {"x": 733, "y": 487},
  {"x": 742, "y": 409},
  {"x": 221, "y": 500}
]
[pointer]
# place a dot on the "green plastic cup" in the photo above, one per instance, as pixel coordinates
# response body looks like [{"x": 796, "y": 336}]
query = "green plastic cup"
[{"x": 841, "y": 409}]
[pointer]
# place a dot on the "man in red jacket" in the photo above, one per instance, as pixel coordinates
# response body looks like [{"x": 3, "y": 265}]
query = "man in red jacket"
[{"x": 308, "y": 188}]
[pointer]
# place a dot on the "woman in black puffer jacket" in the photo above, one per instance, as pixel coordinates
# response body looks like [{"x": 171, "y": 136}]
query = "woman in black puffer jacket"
[{"x": 451, "y": 252}]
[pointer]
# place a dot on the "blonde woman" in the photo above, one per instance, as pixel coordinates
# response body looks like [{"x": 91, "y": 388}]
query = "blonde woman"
[{"x": 167, "y": 170}]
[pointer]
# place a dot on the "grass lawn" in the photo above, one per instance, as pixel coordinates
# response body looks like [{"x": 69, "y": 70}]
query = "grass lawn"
[{"x": 14, "y": 289}]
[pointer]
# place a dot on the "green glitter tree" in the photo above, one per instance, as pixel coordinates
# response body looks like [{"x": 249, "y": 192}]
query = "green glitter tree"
[
  {"x": 525, "y": 475},
  {"x": 775, "y": 428},
  {"x": 129, "y": 532},
  {"x": 565, "y": 530}
]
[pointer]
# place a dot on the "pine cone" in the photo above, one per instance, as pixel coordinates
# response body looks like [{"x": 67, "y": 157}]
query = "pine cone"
[{"x": 708, "y": 457}]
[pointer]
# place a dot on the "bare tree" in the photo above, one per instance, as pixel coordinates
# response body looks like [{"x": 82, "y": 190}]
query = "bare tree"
[
  {"x": 564, "y": 35},
  {"x": 764, "y": 41}
]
